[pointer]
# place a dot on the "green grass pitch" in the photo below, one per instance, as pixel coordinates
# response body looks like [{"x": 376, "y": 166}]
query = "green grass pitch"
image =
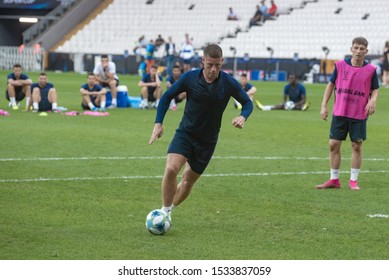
[{"x": 80, "y": 187}]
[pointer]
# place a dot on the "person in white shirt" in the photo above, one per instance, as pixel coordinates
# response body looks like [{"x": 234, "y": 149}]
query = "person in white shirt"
[
  {"x": 105, "y": 74},
  {"x": 187, "y": 53}
]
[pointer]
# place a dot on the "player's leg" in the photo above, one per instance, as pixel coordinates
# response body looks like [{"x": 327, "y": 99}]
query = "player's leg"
[
  {"x": 113, "y": 87},
  {"x": 52, "y": 97},
  {"x": 36, "y": 98},
  {"x": 357, "y": 136},
  {"x": 11, "y": 94},
  {"x": 338, "y": 133},
  {"x": 174, "y": 163},
  {"x": 27, "y": 93},
  {"x": 157, "y": 95},
  {"x": 184, "y": 188},
  {"x": 145, "y": 98}
]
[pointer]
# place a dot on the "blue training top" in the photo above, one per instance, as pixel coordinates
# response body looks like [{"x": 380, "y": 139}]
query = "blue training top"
[
  {"x": 96, "y": 87},
  {"x": 205, "y": 103},
  {"x": 295, "y": 93},
  {"x": 22, "y": 77},
  {"x": 44, "y": 91}
]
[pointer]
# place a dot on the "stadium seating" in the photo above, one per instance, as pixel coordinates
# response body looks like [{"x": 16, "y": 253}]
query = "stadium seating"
[{"x": 309, "y": 27}]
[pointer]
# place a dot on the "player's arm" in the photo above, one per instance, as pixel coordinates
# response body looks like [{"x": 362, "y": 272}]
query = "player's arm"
[
  {"x": 157, "y": 80},
  {"x": 371, "y": 105},
  {"x": 163, "y": 106},
  {"x": 144, "y": 84},
  {"x": 247, "y": 108},
  {"x": 26, "y": 82},
  {"x": 327, "y": 95},
  {"x": 83, "y": 91},
  {"x": 101, "y": 91},
  {"x": 157, "y": 132},
  {"x": 15, "y": 83},
  {"x": 252, "y": 90}
]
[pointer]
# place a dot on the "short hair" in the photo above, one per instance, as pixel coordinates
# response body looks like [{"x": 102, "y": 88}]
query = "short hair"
[
  {"x": 104, "y": 56},
  {"x": 213, "y": 51},
  {"x": 244, "y": 75},
  {"x": 90, "y": 74},
  {"x": 177, "y": 67},
  {"x": 42, "y": 74},
  {"x": 17, "y": 65},
  {"x": 360, "y": 41},
  {"x": 154, "y": 66}
]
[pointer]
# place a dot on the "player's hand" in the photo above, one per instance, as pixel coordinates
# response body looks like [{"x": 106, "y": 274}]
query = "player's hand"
[
  {"x": 157, "y": 133},
  {"x": 370, "y": 108},
  {"x": 239, "y": 122},
  {"x": 324, "y": 112}
]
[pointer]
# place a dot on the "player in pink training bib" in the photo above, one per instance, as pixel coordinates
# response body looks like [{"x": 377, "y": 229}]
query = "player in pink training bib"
[{"x": 355, "y": 84}]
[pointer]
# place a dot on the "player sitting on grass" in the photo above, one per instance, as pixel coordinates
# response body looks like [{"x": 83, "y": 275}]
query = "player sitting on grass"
[
  {"x": 294, "y": 92},
  {"x": 44, "y": 95},
  {"x": 18, "y": 87},
  {"x": 93, "y": 95}
]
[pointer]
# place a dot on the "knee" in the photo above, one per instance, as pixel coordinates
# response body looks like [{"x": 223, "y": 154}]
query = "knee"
[
  {"x": 334, "y": 146},
  {"x": 172, "y": 170},
  {"x": 356, "y": 146}
]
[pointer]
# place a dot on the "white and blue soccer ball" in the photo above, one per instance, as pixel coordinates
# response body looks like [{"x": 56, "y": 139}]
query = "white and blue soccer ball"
[
  {"x": 289, "y": 105},
  {"x": 158, "y": 222}
]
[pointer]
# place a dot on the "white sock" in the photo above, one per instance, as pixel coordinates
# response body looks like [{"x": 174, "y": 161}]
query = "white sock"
[
  {"x": 354, "y": 174},
  {"x": 166, "y": 209},
  {"x": 157, "y": 102},
  {"x": 334, "y": 174},
  {"x": 114, "y": 100},
  {"x": 13, "y": 101},
  {"x": 267, "y": 108},
  {"x": 54, "y": 105},
  {"x": 90, "y": 105},
  {"x": 102, "y": 104},
  {"x": 35, "y": 105},
  {"x": 27, "y": 101}
]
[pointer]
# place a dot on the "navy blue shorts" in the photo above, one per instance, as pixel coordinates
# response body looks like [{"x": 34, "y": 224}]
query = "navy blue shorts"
[
  {"x": 19, "y": 94},
  {"x": 198, "y": 154},
  {"x": 341, "y": 126}
]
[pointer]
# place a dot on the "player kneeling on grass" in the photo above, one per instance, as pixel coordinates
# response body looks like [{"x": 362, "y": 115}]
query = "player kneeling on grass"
[
  {"x": 44, "y": 95},
  {"x": 295, "y": 97},
  {"x": 93, "y": 95}
]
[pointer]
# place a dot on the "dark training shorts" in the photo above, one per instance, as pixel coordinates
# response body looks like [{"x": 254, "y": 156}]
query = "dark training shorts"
[
  {"x": 341, "y": 126},
  {"x": 19, "y": 94},
  {"x": 198, "y": 154}
]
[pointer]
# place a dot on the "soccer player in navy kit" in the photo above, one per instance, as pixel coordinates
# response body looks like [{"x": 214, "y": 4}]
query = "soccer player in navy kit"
[
  {"x": 18, "y": 87},
  {"x": 176, "y": 74},
  {"x": 208, "y": 92},
  {"x": 44, "y": 95},
  {"x": 93, "y": 95}
]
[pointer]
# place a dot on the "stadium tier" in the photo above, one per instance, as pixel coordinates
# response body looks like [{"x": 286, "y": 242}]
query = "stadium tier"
[{"x": 302, "y": 27}]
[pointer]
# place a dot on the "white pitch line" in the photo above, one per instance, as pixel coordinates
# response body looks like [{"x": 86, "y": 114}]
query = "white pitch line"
[
  {"x": 378, "y": 216},
  {"x": 164, "y": 157},
  {"x": 160, "y": 176}
]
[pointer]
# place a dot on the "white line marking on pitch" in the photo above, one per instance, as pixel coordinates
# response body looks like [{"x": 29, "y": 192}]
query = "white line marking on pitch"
[
  {"x": 164, "y": 157},
  {"x": 378, "y": 216},
  {"x": 160, "y": 176}
]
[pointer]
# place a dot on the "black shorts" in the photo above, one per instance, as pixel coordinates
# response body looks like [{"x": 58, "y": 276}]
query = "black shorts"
[
  {"x": 151, "y": 91},
  {"x": 341, "y": 126},
  {"x": 92, "y": 99},
  {"x": 106, "y": 85},
  {"x": 45, "y": 106},
  {"x": 19, "y": 94},
  {"x": 198, "y": 154}
]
